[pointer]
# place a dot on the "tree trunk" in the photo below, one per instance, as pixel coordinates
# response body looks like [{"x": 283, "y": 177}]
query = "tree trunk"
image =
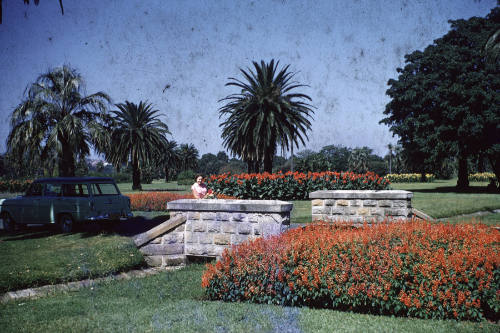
[
  {"x": 66, "y": 161},
  {"x": 495, "y": 165},
  {"x": 136, "y": 174},
  {"x": 166, "y": 174},
  {"x": 268, "y": 162},
  {"x": 463, "y": 172}
]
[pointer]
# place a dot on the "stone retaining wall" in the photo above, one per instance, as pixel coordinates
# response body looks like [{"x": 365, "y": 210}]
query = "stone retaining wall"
[
  {"x": 207, "y": 227},
  {"x": 360, "y": 206}
]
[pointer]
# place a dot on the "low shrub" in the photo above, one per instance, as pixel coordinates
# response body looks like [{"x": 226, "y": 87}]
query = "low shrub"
[
  {"x": 482, "y": 177},
  {"x": 292, "y": 185},
  {"x": 157, "y": 201},
  {"x": 410, "y": 177},
  {"x": 415, "y": 269}
]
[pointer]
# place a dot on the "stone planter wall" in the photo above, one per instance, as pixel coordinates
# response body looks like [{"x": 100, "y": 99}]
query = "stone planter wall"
[
  {"x": 360, "y": 206},
  {"x": 207, "y": 227}
]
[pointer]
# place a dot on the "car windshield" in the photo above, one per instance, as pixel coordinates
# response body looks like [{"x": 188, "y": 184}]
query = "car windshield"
[{"x": 104, "y": 189}]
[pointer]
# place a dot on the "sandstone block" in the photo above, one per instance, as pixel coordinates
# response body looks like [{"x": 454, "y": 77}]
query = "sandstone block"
[
  {"x": 338, "y": 211},
  {"x": 193, "y": 215},
  {"x": 219, "y": 216},
  {"x": 369, "y": 203},
  {"x": 222, "y": 239},
  {"x": 161, "y": 249},
  {"x": 253, "y": 218},
  {"x": 317, "y": 202},
  {"x": 207, "y": 216},
  {"x": 400, "y": 204},
  {"x": 154, "y": 261},
  {"x": 384, "y": 203},
  {"x": 256, "y": 230},
  {"x": 238, "y": 239},
  {"x": 376, "y": 211},
  {"x": 363, "y": 211},
  {"x": 229, "y": 227},
  {"x": 188, "y": 226},
  {"x": 173, "y": 237},
  {"x": 191, "y": 237},
  {"x": 321, "y": 210},
  {"x": 356, "y": 203},
  {"x": 238, "y": 217},
  {"x": 342, "y": 203},
  {"x": 206, "y": 238},
  {"x": 244, "y": 228},
  {"x": 174, "y": 260},
  {"x": 213, "y": 226},
  {"x": 329, "y": 202},
  {"x": 157, "y": 240},
  {"x": 199, "y": 226}
]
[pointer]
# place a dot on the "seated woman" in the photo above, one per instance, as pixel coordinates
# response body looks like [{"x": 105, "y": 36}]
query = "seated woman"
[{"x": 199, "y": 188}]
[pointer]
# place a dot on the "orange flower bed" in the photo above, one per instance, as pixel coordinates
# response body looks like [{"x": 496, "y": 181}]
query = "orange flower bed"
[
  {"x": 157, "y": 201},
  {"x": 415, "y": 269}
]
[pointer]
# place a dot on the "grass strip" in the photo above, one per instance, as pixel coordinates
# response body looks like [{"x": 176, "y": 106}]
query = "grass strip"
[{"x": 174, "y": 302}]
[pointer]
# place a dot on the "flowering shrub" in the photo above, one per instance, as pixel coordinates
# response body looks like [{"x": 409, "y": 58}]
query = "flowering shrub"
[
  {"x": 481, "y": 177},
  {"x": 292, "y": 185},
  {"x": 415, "y": 269},
  {"x": 15, "y": 185},
  {"x": 157, "y": 201},
  {"x": 409, "y": 177}
]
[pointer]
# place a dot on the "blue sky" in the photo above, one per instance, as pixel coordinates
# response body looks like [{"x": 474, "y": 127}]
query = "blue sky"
[{"x": 346, "y": 51}]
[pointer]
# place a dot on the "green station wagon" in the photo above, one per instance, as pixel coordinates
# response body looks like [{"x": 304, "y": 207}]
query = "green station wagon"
[{"x": 66, "y": 201}]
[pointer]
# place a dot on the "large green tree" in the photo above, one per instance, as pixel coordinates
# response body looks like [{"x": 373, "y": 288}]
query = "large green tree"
[
  {"x": 56, "y": 123},
  {"x": 446, "y": 100},
  {"x": 137, "y": 135},
  {"x": 264, "y": 114},
  {"x": 188, "y": 156}
]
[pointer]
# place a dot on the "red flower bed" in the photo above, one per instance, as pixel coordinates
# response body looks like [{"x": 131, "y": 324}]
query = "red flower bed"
[
  {"x": 292, "y": 185},
  {"x": 415, "y": 269},
  {"x": 157, "y": 201}
]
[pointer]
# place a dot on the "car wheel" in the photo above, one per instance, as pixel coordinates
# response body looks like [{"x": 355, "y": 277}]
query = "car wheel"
[
  {"x": 8, "y": 223},
  {"x": 66, "y": 223}
]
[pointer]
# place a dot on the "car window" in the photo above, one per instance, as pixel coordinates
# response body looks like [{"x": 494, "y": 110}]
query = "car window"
[
  {"x": 52, "y": 190},
  {"x": 35, "y": 189},
  {"x": 104, "y": 189},
  {"x": 75, "y": 190}
]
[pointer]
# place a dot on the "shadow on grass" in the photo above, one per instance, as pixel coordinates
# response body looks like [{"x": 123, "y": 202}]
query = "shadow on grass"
[
  {"x": 453, "y": 189},
  {"x": 129, "y": 228}
]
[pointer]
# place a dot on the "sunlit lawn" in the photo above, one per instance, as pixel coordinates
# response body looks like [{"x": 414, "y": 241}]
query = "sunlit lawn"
[{"x": 174, "y": 302}]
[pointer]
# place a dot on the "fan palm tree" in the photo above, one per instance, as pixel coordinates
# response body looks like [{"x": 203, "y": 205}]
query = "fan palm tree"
[
  {"x": 188, "y": 156},
  {"x": 137, "y": 136},
  {"x": 56, "y": 121},
  {"x": 264, "y": 114}
]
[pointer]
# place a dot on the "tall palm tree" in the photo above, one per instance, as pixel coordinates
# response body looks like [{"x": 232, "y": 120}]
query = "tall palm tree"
[
  {"x": 137, "y": 136},
  {"x": 27, "y": 2},
  {"x": 188, "y": 156},
  {"x": 57, "y": 121},
  {"x": 169, "y": 158},
  {"x": 264, "y": 114},
  {"x": 358, "y": 160}
]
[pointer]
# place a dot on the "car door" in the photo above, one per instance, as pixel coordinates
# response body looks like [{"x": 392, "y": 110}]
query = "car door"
[
  {"x": 27, "y": 206},
  {"x": 106, "y": 200},
  {"x": 49, "y": 204}
]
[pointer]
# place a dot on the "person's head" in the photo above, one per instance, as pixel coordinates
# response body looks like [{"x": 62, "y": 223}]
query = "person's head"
[{"x": 199, "y": 179}]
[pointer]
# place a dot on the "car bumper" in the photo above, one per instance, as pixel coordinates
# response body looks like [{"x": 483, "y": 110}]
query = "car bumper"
[{"x": 110, "y": 217}]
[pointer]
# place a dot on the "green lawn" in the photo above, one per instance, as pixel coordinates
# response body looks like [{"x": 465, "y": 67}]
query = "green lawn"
[
  {"x": 439, "y": 199},
  {"x": 174, "y": 302},
  {"x": 38, "y": 256}
]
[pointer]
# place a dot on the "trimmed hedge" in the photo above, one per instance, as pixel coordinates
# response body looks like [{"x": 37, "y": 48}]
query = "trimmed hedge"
[
  {"x": 409, "y": 177},
  {"x": 482, "y": 177},
  {"x": 415, "y": 269},
  {"x": 157, "y": 201},
  {"x": 292, "y": 185}
]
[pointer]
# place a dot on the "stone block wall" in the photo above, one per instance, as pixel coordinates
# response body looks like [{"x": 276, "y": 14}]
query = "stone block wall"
[
  {"x": 360, "y": 206},
  {"x": 210, "y": 226}
]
